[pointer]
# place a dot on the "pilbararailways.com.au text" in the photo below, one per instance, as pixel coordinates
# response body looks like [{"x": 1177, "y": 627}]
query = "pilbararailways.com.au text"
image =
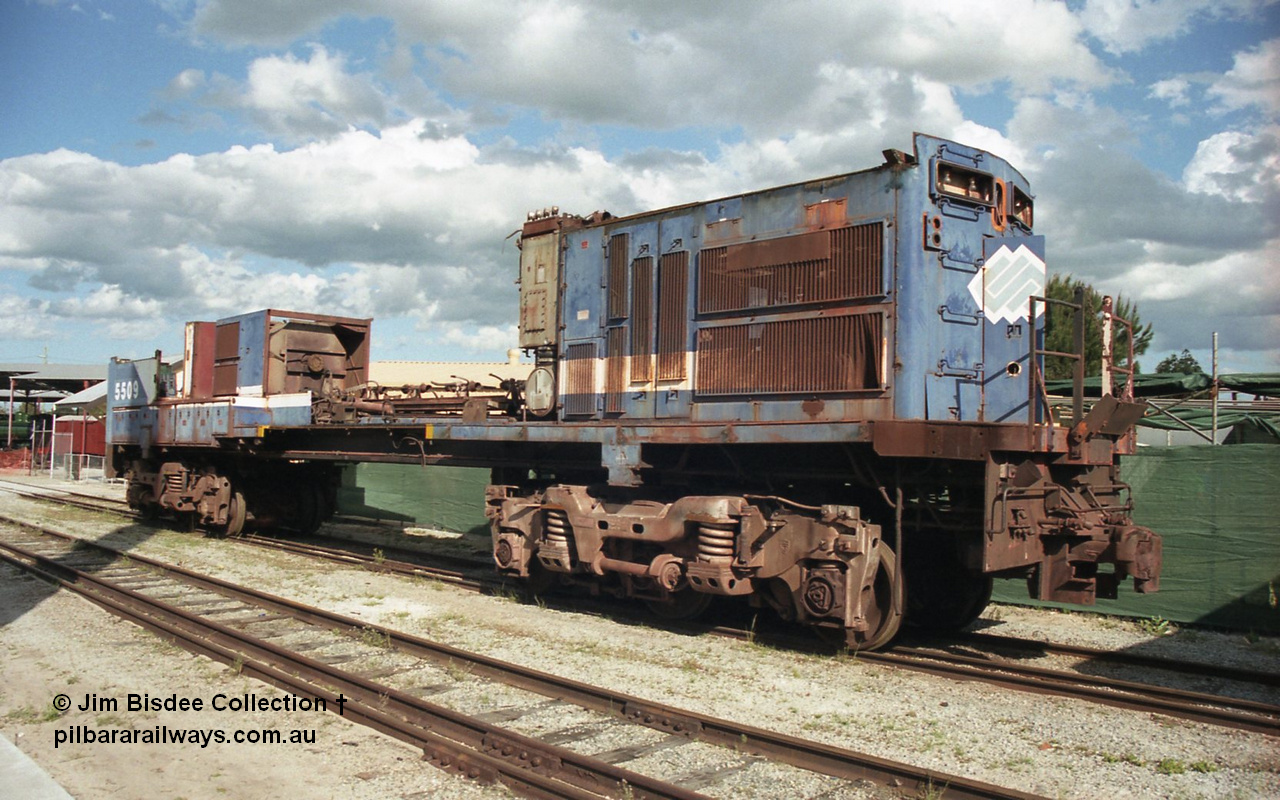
[
  {"x": 163, "y": 734},
  {"x": 104, "y": 732}
]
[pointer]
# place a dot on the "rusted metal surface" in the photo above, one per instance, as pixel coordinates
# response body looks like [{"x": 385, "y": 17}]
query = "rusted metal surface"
[
  {"x": 198, "y": 359},
  {"x": 815, "y": 355},
  {"x": 580, "y": 379},
  {"x": 821, "y": 266},
  {"x": 673, "y": 322},
  {"x": 616, "y": 278},
  {"x": 642, "y": 320},
  {"x": 226, "y": 358},
  {"x": 281, "y": 352},
  {"x": 615, "y": 379},
  {"x": 829, "y": 566}
]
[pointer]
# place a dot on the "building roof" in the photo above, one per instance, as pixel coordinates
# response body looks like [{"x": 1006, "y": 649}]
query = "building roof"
[
  {"x": 61, "y": 379},
  {"x": 95, "y": 394}
]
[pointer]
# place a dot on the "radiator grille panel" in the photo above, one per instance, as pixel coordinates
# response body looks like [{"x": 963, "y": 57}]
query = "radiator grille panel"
[
  {"x": 809, "y": 356},
  {"x": 673, "y": 315},
  {"x": 642, "y": 320},
  {"x": 617, "y": 302},
  {"x": 818, "y": 267},
  {"x": 615, "y": 373},
  {"x": 580, "y": 379}
]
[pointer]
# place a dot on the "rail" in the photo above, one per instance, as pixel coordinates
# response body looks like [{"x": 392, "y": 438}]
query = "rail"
[{"x": 449, "y": 737}]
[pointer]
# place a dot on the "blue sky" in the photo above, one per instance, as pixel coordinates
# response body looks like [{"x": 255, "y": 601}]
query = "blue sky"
[{"x": 192, "y": 159}]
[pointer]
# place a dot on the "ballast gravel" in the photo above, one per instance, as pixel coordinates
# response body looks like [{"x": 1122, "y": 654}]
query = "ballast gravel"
[{"x": 55, "y": 643}]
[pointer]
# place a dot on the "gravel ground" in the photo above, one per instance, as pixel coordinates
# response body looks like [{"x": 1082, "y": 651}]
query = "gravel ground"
[{"x": 1059, "y": 748}]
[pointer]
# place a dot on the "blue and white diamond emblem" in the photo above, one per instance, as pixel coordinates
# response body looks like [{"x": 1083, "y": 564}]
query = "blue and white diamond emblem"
[{"x": 1006, "y": 281}]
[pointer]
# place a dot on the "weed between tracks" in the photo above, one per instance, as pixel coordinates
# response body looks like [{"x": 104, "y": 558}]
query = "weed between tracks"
[{"x": 375, "y": 638}]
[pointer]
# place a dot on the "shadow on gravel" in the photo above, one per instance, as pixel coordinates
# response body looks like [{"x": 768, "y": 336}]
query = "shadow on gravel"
[
  {"x": 21, "y": 591},
  {"x": 1194, "y": 660}
]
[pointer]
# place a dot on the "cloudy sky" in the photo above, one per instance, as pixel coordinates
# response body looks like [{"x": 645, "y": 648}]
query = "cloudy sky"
[{"x": 167, "y": 160}]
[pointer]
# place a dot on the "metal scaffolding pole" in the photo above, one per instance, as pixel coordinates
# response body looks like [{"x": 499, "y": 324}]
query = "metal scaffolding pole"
[{"x": 1214, "y": 415}]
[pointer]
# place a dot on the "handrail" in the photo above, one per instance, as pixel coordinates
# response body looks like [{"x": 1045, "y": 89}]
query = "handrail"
[
  {"x": 1108, "y": 353},
  {"x": 1034, "y": 403}
]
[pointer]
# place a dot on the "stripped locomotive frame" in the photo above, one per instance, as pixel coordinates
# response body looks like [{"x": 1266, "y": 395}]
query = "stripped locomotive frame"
[{"x": 825, "y": 398}]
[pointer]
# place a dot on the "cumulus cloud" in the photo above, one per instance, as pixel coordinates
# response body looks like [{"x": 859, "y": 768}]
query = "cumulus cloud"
[
  {"x": 377, "y": 197},
  {"x": 311, "y": 98},
  {"x": 23, "y": 319},
  {"x": 1195, "y": 254},
  {"x": 1126, "y": 26},
  {"x": 288, "y": 97},
  {"x": 1253, "y": 80},
  {"x": 1236, "y": 296},
  {"x": 400, "y": 223},
  {"x": 761, "y": 66},
  {"x": 409, "y": 222},
  {"x": 1238, "y": 165},
  {"x": 1173, "y": 91}
]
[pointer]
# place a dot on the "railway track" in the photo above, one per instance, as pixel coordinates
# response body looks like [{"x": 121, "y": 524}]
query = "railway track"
[
  {"x": 988, "y": 667},
  {"x": 241, "y": 626}
]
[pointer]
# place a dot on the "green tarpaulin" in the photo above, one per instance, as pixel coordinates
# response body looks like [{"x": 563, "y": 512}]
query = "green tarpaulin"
[
  {"x": 1263, "y": 383},
  {"x": 1158, "y": 384},
  {"x": 1202, "y": 419},
  {"x": 447, "y": 498},
  {"x": 1177, "y": 384}
]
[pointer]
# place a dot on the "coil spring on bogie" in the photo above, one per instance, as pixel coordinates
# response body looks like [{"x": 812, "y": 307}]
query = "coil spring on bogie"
[
  {"x": 175, "y": 482},
  {"x": 716, "y": 541},
  {"x": 555, "y": 527}
]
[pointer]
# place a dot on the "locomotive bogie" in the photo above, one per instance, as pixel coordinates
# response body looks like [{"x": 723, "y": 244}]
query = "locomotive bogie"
[{"x": 827, "y": 562}]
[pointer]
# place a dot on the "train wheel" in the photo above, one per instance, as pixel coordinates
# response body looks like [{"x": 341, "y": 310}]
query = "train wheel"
[
  {"x": 945, "y": 596},
  {"x": 540, "y": 581},
  {"x": 237, "y": 513},
  {"x": 949, "y": 600},
  {"x": 310, "y": 508},
  {"x": 681, "y": 605},
  {"x": 883, "y": 603}
]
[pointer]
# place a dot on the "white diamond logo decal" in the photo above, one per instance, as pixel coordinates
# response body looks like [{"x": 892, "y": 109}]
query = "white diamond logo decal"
[{"x": 1005, "y": 283}]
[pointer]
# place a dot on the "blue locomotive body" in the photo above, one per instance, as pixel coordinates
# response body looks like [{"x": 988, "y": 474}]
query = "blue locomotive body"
[
  {"x": 812, "y": 396},
  {"x": 895, "y": 293}
]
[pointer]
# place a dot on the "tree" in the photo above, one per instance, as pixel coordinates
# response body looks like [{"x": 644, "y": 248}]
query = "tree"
[
  {"x": 1059, "y": 328},
  {"x": 1180, "y": 363}
]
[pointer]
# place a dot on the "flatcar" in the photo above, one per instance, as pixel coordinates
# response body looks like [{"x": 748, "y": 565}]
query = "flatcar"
[{"x": 825, "y": 399}]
